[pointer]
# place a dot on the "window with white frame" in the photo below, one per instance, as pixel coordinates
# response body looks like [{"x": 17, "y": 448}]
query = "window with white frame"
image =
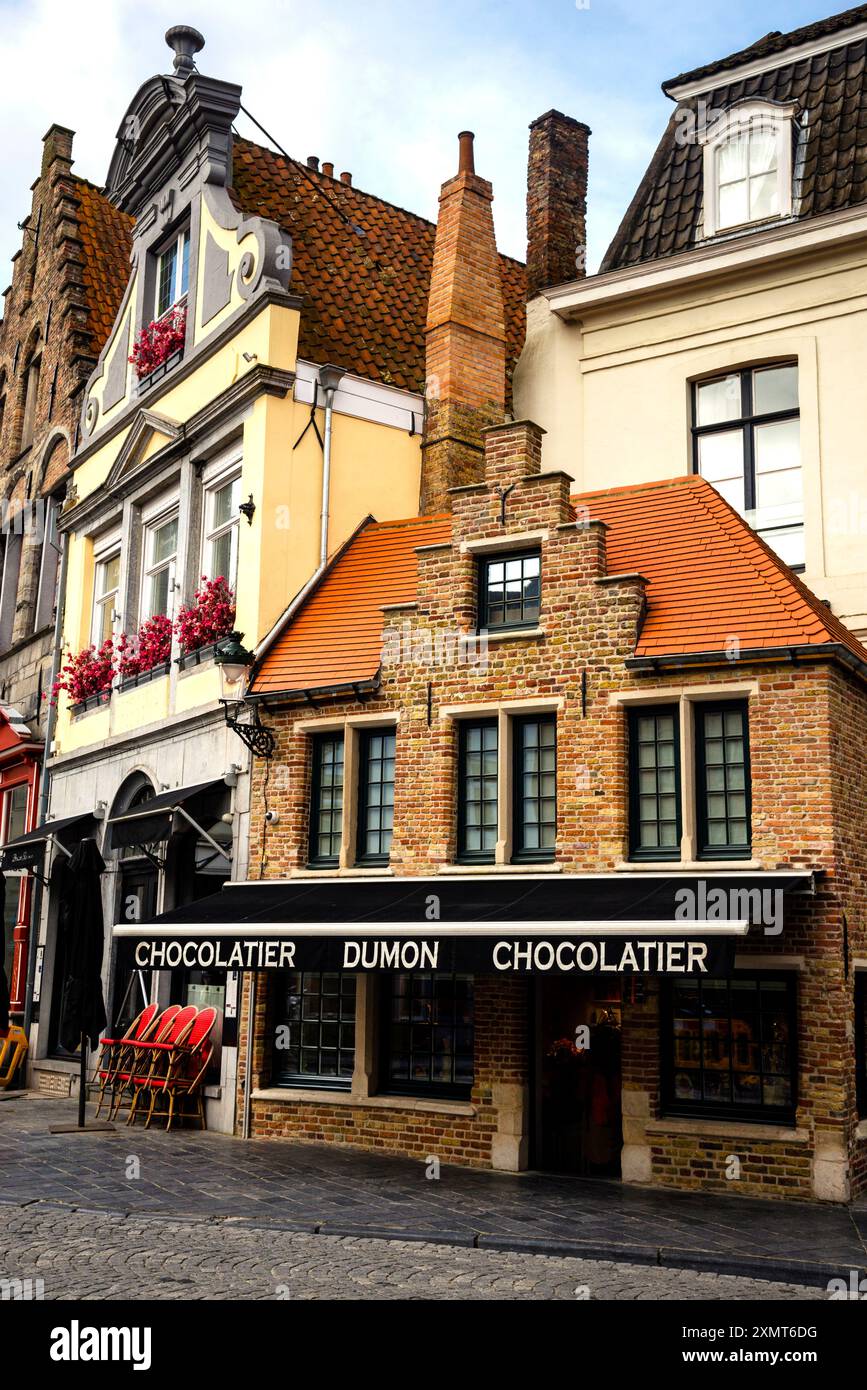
[
  {"x": 105, "y": 593},
  {"x": 746, "y": 441},
  {"x": 748, "y": 166},
  {"x": 222, "y": 499},
  {"x": 160, "y": 557},
  {"x": 173, "y": 272}
]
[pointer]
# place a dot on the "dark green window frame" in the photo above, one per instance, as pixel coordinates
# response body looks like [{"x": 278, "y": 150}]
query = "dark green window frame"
[
  {"x": 534, "y": 815},
  {"x": 467, "y": 777},
  {"x": 722, "y": 786},
  {"x": 729, "y": 1048},
  {"x": 492, "y": 583},
  {"x": 377, "y": 749},
  {"x": 427, "y": 1030},
  {"x": 322, "y": 788},
  {"x": 317, "y": 1011},
  {"x": 639, "y": 795}
]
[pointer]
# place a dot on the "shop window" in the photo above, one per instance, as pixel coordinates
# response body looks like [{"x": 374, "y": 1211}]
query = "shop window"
[
  {"x": 161, "y": 549},
  {"x": 510, "y": 590},
  {"x": 861, "y": 1041},
  {"x": 326, "y": 802},
  {"x": 478, "y": 781},
  {"x": 314, "y": 1029},
  {"x": 427, "y": 1035},
  {"x": 654, "y": 782},
  {"x": 221, "y": 531},
  {"x": 729, "y": 1047},
  {"x": 746, "y": 442},
  {"x": 173, "y": 273},
  {"x": 376, "y": 796},
  {"x": 535, "y": 787},
  {"x": 723, "y": 780}
]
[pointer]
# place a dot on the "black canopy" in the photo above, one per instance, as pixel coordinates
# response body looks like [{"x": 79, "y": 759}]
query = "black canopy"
[
  {"x": 153, "y": 821},
  {"x": 82, "y": 925},
  {"x": 26, "y": 851}
]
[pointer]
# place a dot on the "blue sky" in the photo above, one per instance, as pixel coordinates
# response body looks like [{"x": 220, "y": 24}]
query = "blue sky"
[{"x": 380, "y": 88}]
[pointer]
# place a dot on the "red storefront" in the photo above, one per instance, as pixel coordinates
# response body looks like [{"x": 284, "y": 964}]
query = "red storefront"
[{"x": 20, "y": 762}]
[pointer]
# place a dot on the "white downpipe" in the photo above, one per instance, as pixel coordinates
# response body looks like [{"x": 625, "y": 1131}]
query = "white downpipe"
[{"x": 329, "y": 380}]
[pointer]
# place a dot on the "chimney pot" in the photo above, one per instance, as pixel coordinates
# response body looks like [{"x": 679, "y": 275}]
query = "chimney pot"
[
  {"x": 313, "y": 162},
  {"x": 186, "y": 42},
  {"x": 346, "y": 178},
  {"x": 328, "y": 169},
  {"x": 466, "y": 159}
]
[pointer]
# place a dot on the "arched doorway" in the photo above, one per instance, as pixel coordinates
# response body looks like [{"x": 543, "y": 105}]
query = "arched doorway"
[{"x": 137, "y": 895}]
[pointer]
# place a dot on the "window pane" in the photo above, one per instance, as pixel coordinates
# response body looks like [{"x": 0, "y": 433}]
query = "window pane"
[
  {"x": 327, "y": 801},
  {"x": 512, "y": 589},
  {"x": 775, "y": 388},
  {"x": 788, "y": 542},
  {"x": 734, "y": 204},
  {"x": 778, "y": 445},
  {"x": 724, "y": 772},
  {"x": 763, "y": 148},
  {"x": 654, "y": 757},
  {"x": 165, "y": 292},
  {"x": 222, "y": 566},
  {"x": 764, "y": 197},
  {"x": 323, "y": 1046},
  {"x": 732, "y": 159},
  {"x": 224, "y": 506},
  {"x": 477, "y": 792},
  {"x": 376, "y": 795},
  {"x": 718, "y": 401},
  {"x": 721, "y": 462},
  {"x": 159, "y": 593},
  {"x": 535, "y": 787},
  {"x": 164, "y": 541},
  {"x": 109, "y": 574},
  {"x": 430, "y": 1047}
]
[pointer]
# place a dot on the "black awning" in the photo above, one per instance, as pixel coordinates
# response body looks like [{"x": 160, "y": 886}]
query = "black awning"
[
  {"x": 152, "y": 821},
  {"x": 26, "y": 851},
  {"x": 479, "y": 924}
]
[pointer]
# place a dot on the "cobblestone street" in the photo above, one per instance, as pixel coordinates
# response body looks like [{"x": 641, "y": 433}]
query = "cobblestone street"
[{"x": 88, "y": 1255}]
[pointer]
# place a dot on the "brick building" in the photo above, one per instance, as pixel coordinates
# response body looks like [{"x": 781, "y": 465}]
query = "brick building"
[{"x": 67, "y": 282}]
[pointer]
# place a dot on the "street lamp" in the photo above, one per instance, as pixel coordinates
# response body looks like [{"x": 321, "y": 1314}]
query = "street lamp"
[{"x": 234, "y": 660}]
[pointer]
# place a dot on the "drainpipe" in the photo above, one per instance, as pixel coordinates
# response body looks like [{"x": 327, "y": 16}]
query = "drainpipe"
[
  {"x": 44, "y": 780},
  {"x": 329, "y": 379}
]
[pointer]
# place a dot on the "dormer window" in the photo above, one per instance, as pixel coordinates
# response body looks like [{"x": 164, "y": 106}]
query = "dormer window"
[
  {"x": 748, "y": 166},
  {"x": 173, "y": 273}
]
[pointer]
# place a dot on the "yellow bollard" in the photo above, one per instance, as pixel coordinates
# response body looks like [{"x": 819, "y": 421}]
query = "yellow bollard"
[{"x": 13, "y": 1045}]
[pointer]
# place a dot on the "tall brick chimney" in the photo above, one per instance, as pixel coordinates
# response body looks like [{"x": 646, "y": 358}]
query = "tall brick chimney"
[
  {"x": 465, "y": 335},
  {"x": 556, "y": 201}
]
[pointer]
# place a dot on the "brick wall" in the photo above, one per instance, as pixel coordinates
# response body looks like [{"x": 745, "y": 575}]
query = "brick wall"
[
  {"x": 556, "y": 201},
  {"x": 807, "y": 726}
]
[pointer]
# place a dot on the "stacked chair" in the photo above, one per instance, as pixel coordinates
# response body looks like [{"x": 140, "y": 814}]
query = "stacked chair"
[{"x": 158, "y": 1057}]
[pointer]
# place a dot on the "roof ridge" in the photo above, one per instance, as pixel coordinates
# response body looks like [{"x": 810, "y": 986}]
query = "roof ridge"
[
  {"x": 354, "y": 188},
  {"x": 776, "y": 42},
  {"x": 679, "y": 480}
]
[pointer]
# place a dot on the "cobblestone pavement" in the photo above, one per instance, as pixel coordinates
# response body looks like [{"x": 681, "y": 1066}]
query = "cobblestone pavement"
[
  {"x": 92, "y": 1256},
  {"x": 341, "y": 1192}
]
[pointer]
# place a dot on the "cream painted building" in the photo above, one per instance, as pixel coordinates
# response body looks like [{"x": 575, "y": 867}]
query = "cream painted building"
[{"x": 726, "y": 332}]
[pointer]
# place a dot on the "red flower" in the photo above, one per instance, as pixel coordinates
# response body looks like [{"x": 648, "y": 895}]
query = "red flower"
[
  {"x": 151, "y": 647},
  {"x": 158, "y": 340},
  {"x": 210, "y": 616},
  {"x": 90, "y": 672}
]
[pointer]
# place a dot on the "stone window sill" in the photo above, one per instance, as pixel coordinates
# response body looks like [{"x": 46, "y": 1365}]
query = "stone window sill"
[
  {"x": 727, "y": 1129},
  {"x": 515, "y": 634},
  {"x": 459, "y": 870},
  {"x": 349, "y": 872},
  {"x": 287, "y": 1095},
  {"x": 674, "y": 866}
]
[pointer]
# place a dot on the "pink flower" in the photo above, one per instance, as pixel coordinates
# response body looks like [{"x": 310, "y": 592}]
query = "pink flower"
[{"x": 158, "y": 340}]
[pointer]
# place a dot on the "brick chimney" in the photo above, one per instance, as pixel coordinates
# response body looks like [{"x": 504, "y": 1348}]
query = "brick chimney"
[
  {"x": 465, "y": 335},
  {"x": 57, "y": 145},
  {"x": 556, "y": 201}
]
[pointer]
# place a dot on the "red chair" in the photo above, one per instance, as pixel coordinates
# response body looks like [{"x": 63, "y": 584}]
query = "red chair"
[
  {"x": 127, "y": 1064},
  {"x": 152, "y": 1059},
  {"x": 185, "y": 1069},
  {"x": 113, "y": 1051}
]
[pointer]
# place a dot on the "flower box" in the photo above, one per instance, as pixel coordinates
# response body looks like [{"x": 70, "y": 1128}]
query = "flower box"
[
  {"x": 197, "y": 657},
  {"x": 142, "y": 677}
]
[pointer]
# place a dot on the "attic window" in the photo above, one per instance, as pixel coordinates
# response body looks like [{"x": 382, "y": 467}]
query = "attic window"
[
  {"x": 748, "y": 166},
  {"x": 173, "y": 273}
]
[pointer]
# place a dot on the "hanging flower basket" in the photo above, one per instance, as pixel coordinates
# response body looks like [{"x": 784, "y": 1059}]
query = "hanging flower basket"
[
  {"x": 210, "y": 616},
  {"x": 159, "y": 341}
]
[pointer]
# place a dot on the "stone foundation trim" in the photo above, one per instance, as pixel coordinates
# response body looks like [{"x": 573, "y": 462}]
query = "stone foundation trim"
[
  {"x": 284, "y": 1095},
  {"x": 728, "y": 1129}
]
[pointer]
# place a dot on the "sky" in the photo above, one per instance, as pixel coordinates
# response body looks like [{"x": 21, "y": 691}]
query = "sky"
[{"x": 380, "y": 88}]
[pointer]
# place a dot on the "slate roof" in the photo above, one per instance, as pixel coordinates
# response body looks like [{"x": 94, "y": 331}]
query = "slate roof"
[
  {"x": 830, "y": 90},
  {"x": 710, "y": 577},
  {"x": 365, "y": 295}
]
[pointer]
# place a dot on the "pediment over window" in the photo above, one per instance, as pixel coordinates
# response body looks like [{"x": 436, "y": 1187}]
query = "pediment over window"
[
  {"x": 150, "y": 435},
  {"x": 748, "y": 173}
]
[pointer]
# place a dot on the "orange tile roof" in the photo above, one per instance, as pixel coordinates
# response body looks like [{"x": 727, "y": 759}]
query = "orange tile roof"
[
  {"x": 336, "y": 636},
  {"x": 710, "y": 578},
  {"x": 365, "y": 294},
  {"x": 106, "y": 237}
]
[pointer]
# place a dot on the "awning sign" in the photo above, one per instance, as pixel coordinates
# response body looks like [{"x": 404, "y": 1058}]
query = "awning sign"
[{"x": 491, "y": 954}]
